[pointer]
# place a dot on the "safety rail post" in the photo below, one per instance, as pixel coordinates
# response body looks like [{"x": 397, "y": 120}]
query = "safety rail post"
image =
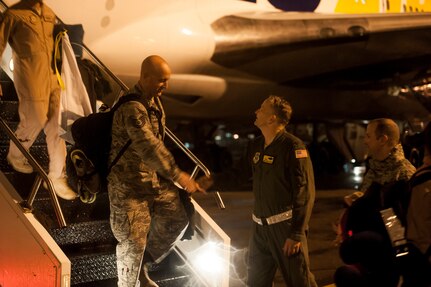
[
  {"x": 199, "y": 165},
  {"x": 41, "y": 174}
]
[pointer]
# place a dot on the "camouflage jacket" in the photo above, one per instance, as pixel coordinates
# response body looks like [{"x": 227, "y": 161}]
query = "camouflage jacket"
[
  {"x": 394, "y": 167},
  {"x": 147, "y": 158}
]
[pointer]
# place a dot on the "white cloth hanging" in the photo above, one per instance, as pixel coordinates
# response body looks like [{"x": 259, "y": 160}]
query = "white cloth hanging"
[{"x": 75, "y": 102}]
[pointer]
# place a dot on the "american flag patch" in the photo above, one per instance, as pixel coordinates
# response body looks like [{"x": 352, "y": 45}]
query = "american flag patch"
[{"x": 301, "y": 153}]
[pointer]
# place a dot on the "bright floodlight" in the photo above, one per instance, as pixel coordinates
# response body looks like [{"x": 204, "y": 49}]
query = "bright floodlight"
[{"x": 208, "y": 262}]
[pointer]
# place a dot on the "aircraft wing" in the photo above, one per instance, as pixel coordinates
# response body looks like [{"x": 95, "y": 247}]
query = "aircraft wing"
[{"x": 318, "y": 50}]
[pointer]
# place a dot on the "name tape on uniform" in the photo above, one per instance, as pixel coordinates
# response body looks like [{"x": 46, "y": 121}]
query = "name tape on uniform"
[{"x": 268, "y": 159}]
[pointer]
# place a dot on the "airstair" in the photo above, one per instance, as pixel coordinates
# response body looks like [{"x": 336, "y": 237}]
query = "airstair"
[{"x": 48, "y": 241}]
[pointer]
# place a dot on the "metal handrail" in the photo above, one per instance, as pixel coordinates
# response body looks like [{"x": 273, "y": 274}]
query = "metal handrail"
[{"x": 41, "y": 175}]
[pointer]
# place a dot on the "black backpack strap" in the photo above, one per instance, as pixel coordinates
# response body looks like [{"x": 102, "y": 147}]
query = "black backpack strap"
[
  {"x": 128, "y": 98},
  {"x": 122, "y": 100},
  {"x": 120, "y": 153}
]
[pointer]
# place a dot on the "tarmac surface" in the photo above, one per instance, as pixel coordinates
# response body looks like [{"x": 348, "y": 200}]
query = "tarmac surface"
[{"x": 236, "y": 221}]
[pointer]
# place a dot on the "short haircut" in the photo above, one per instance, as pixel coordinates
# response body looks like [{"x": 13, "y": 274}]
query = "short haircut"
[
  {"x": 389, "y": 128},
  {"x": 282, "y": 108}
]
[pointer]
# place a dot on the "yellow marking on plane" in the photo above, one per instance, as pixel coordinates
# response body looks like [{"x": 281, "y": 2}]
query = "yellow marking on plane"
[
  {"x": 394, "y": 7},
  {"x": 358, "y": 6},
  {"x": 418, "y": 6},
  {"x": 378, "y": 6}
]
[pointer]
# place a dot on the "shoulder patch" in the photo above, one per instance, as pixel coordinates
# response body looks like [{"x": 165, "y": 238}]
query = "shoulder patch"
[
  {"x": 301, "y": 153},
  {"x": 256, "y": 157},
  {"x": 137, "y": 122}
]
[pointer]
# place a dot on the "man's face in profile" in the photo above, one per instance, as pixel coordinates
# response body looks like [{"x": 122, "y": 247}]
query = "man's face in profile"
[
  {"x": 156, "y": 81},
  {"x": 371, "y": 141}
]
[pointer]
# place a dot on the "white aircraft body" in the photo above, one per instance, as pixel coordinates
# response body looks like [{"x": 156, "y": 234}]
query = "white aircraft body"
[{"x": 228, "y": 55}]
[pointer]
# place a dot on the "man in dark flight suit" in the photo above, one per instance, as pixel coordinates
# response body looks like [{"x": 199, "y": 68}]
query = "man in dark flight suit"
[{"x": 283, "y": 186}]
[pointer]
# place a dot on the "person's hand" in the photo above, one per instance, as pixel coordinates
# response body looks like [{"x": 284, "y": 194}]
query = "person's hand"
[
  {"x": 1, "y": 91},
  {"x": 189, "y": 184},
  {"x": 291, "y": 247},
  {"x": 205, "y": 182}
]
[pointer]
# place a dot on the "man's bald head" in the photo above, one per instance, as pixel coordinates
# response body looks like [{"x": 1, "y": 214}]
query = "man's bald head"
[
  {"x": 155, "y": 73},
  {"x": 153, "y": 65}
]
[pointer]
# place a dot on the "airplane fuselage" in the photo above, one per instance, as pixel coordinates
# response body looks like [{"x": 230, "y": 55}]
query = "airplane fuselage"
[{"x": 227, "y": 55}]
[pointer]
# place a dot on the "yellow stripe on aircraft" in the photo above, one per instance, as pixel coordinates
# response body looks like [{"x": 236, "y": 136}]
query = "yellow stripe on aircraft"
[
  {"x": 378, "y": 6},
  {"x": 418, "y": 6},
  {"x": 394, "y": 7},
  {"x": 358, "y": 6}
]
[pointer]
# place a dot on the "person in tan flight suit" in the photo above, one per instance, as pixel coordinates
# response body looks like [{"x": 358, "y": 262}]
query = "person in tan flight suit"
[{"x": 28, "y": 27}]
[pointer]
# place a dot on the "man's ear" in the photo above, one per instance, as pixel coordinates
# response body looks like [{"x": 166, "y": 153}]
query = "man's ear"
[
  {"x": 272, "y": 119},
  {"x": 383, "y": 139}
]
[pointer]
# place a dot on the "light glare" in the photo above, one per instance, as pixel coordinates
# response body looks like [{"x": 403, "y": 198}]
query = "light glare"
[{"x": 207, "y": 259}]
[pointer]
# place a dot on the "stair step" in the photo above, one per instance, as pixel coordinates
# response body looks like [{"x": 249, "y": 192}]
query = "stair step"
[
  {"x": 74, "y": 211},
  {"x": 84, "y": 233},
  {"x": 89, "y": 268},
  {"x": 9, "y": 110},
  {"x": 172, "y": 272}
]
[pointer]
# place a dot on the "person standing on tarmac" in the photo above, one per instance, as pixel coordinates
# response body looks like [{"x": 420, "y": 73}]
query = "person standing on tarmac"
[
  {"x": 28, "y": 27},
  {"x": 142, "y": 201},
  {"x": 365, "y": 246},
  {"x": 283, "y": 187}
]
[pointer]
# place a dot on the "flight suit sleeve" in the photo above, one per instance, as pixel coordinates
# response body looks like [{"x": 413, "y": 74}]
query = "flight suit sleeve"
[
  {"x": 145, "y": 142},
  {"x": 302, "y": 190}
]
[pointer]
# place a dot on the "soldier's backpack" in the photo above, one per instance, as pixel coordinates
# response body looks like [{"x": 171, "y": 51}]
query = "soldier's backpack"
[{"x": 87, "y": 163}]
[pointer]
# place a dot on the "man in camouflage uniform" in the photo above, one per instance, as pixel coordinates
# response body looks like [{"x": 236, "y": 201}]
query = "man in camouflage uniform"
[
  {"x": 146, "y": 212},
  {"x": 387, "y": 162},
  {"x": 361, "y": 236},
  {"x": 28, "y": 27},
  {"x": 283, "y": 187}
]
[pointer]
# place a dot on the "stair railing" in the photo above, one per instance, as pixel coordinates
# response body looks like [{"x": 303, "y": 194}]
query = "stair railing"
[{"x": 27, "y": 204}]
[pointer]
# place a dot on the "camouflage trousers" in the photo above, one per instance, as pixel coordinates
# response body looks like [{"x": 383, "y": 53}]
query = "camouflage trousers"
[{"x": 152, "y": 222}]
